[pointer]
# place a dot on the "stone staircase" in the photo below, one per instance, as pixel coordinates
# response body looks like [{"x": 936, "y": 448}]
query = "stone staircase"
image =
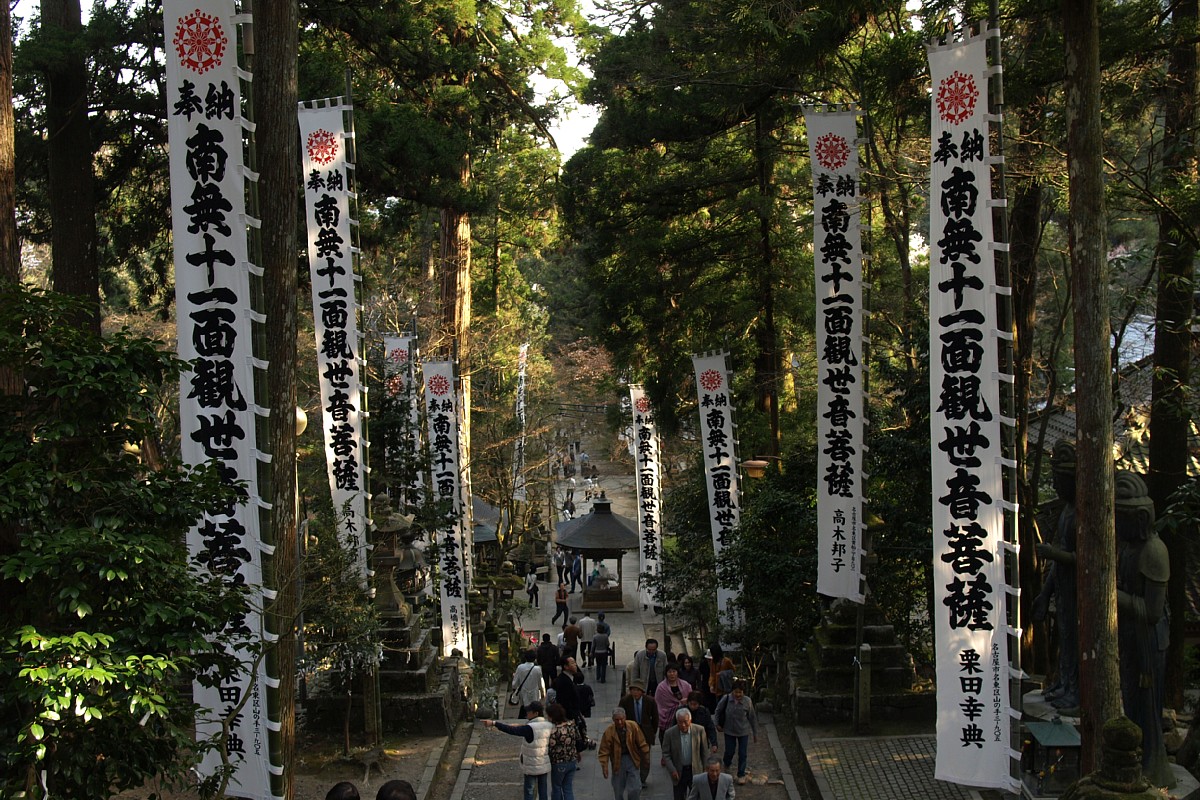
[{"x": 822, "y": 685}]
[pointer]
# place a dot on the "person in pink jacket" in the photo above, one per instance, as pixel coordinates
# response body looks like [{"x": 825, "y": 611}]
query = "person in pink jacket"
[{"x": 670, "y": 696}]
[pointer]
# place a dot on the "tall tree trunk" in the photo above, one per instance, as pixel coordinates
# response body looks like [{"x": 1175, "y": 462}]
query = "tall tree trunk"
[
  {"x": 768, "y": 363},
  {"x": 1025, "y": 233},
  {"x": 1099, "y": 678},
  {"x": 456, "y": 268},
  {"x": 277, "y": 39},
  {"x": 456, "y": 305},
  {"x": 10, "y": 244},
  {"x": 1175, "y": 254},
  {"x": 73, "y": 269}
]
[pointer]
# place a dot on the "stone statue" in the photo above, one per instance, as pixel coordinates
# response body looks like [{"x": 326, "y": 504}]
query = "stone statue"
[
  {"x": 1143, "y": 569},
  {"x": 1060, "y": 582},
  {"x": 1120, "y": 774}
]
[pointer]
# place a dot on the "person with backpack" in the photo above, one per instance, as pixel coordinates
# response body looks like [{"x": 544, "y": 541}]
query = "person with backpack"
[{"x": 736, "y": 719}]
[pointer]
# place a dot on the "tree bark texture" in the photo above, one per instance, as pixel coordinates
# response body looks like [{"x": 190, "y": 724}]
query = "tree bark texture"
[
  {"x": 456, "y": 270},
  {"x": 10, "y": 244},
  {"x": 1025, "y": 233},
  {"x": 1175, "y": 254},
  {"x": 769, "y": 361},
  {"x": 73, "y": 266},
  {"x": 1099, "y": 679},
  {"x": 277, "y": 144}
]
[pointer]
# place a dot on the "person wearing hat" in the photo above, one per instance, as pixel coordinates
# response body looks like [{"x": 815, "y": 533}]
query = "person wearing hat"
[
  {"x": 535, "y": 749},
  {"x": 641, "y": 709}
]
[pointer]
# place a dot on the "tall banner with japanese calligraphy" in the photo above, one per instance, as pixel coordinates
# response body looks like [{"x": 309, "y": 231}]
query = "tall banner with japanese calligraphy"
[
  {"x": 649, "y": 489},
  {"x": 519, "y": 493},
  {"x": 335, "y": 316},
  {"x": 719, "y": 445},
  {"x": 442, "y": 417},
  {"x": 970, "y": 627},
  {"x": 217, "y": 405},
  {"x": 837, "y": 247},
  {"x": 399, "y": 358}
]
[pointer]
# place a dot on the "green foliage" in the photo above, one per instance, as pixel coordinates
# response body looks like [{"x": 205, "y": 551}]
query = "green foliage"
[
  {"x": 106, "y": 623},
  {"x": 774, "y": 556},
  {"x": 341, "y": 626}
]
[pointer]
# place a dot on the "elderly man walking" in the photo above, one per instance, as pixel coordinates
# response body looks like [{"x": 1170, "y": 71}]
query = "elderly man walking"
[
  {"x": 623, "y": 748},
  {"x": 685, "y": 748}
]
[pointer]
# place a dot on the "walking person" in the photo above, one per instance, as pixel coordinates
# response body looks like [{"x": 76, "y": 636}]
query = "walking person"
[
  {"x": 599, "y": 653},
  {"x": 624, "y": 750},
  {"x": 564, "y": 754},
  {"x": 561, "y": 603},
  {"x": 560, "y": 564},
  {"x": 737, "y": 720},
  {"x": 577, "y": 572},
  {"x": 527, "y": 683},
  {"x": 396, "y": 790},
  {"x": 535, "y": 755},
  {"x": 689, "y": 671},
  {"x": 587, "y": 627},
  {"x": 547, "y": 658},
  {"x": 531, "y": 587},
  {"x": 342, "y": 791},
  {"x": 670, "y": 696},
  {"x": 713, "y": 784},
  {"x": 572, "y": 635},
  {"x": 720, "y": 674},
  {"x": 567, "y": 694},
  {"x": 685, "y": 748},
  {"x": 702, "y": 717},
  {"x": 648, "y": 666},
  {"x": 640, "y": 708}
]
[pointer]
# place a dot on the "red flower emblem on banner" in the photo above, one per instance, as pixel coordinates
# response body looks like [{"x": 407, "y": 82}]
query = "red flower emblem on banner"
[
  {"x": 322, "y": 146},
  {"x": 832, "y": 151},
  {"x": 711, "y": 380},
  {"x": 394, "y": 385},
  {"x": 439, "y": 385},
  {"x": 956, "y": 98},
  {"x": 399, "y": 356},
  {"x": 199, "y": 42},
  {"x": 643, "y": 405}
]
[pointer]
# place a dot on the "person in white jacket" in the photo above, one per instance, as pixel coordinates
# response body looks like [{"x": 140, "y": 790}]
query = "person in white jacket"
[
  {"x": 527, "y": 681},
  {"x": 535, "y": 750}
]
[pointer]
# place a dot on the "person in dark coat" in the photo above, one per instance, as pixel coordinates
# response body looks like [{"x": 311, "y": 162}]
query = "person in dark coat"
[
  {"x": 577, "y": 572},
  {"x": 566, "y": 693},
  {"x": 547, "y": 659},
  {"x": 702, "y": 717},
  {"x": 564, "y": 687}
]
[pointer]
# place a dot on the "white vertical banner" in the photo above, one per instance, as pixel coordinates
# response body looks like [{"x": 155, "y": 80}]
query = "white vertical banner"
[
  {"x": 519, "y": 492},
  {"x": 837, "y": 248},
  {"x": 217, "y": 406},
  {"x": 335, "y": 315},
  {"x": 719, "y": 445},
  {"x": 971, "y": 634},
  {"x": 649, "y": 489},
  {"x": 442, "y": 416},
  {"x": 399, "y": 382}
]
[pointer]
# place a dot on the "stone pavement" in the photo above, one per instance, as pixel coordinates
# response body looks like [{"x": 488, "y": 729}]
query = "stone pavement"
[
  {"x": 490, "y": 769},
  {"x": 878, "y": 768}
]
